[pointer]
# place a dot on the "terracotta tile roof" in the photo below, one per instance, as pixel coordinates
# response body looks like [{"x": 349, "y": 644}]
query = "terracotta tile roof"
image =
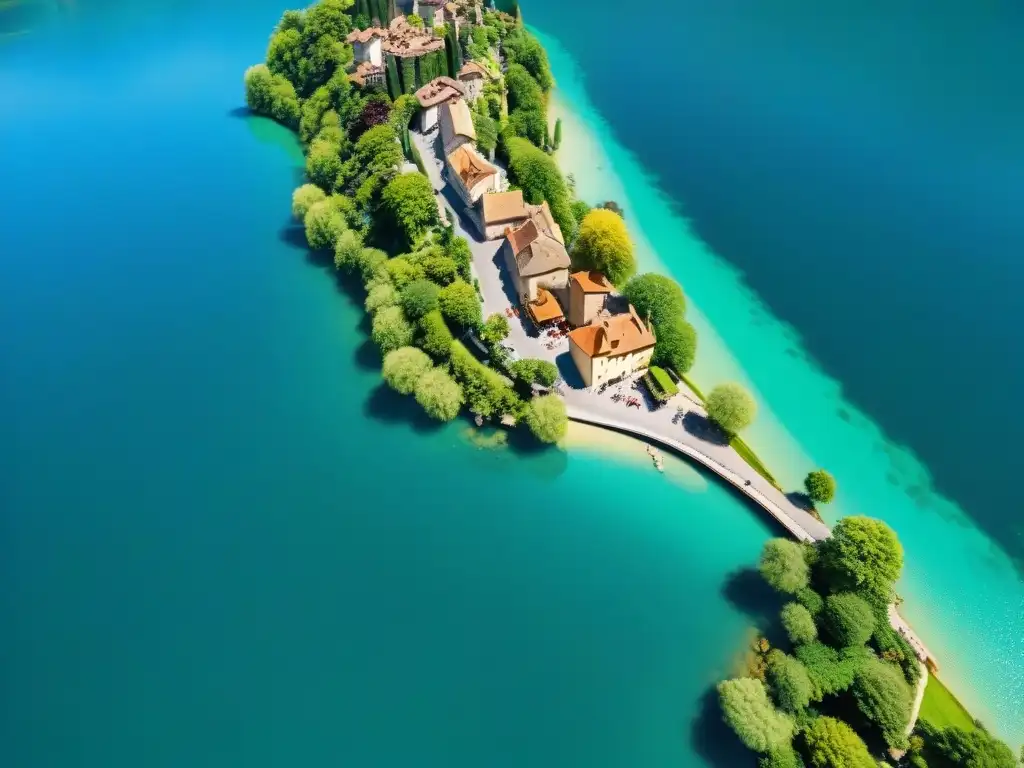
[
  {"x": 470, "y": 166},
  {"x": 456, "y": 120},
  {"x": 613, "y": 336},
  {"x": 438, "y": 91},
  {"x": 366, "y": 71},
  {"x": 545, "y": 307},
  {"x": 592, "y": 282},
  {"x": 537, "y": 244},
  {"x": 404, "y": 40},
  {"x": 542, "y": 215},
  {"x": 497, "y": 207},
  {"x": 365, "y": 35},
  {"x": 471, "y": 69}
]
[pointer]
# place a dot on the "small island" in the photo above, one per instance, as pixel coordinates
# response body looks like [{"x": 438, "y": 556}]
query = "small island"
[{"x": 494, "y": 291}]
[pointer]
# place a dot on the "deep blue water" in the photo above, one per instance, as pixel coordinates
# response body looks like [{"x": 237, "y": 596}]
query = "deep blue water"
[{"x": 861, "y": 165}]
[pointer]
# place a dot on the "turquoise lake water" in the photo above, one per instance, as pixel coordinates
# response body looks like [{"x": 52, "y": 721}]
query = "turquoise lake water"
[{"x": 222, "y": 542}]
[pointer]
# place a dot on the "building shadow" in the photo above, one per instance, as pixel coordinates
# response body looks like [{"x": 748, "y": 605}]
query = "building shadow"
[
  {"x": 569, "y": 372},
  {"x": 715, "y": 741},
  {"x": 702, "y": 428}
]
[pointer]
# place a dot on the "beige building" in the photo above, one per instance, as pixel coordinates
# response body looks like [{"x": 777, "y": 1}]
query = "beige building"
[
  {"x": 472, "y": 76},
  {"x": 470, "y": 175},
  {"x": 367, "y": 45},
  {"x": 432, "y": 96},
  {"x": 535, "y": 254},
  {"x": 456, "y": 125},
  {"x": 498, "y": 212},
  {"x": 588, "y": 295},
  {"x": 611, "y": 347}
]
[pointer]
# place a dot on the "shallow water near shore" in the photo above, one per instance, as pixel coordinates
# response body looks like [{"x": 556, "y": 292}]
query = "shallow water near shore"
[{"x": 963, "y": 593}]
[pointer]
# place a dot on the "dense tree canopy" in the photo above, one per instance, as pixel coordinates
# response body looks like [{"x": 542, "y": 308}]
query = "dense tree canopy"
[
  {"x": 956, "y": 748},
  {"x": 487, "y": 393},
  {"x": 529, "y": 124},
  {"x": 530, "y": 371},
  {"x": 783, "y": 565},
  {"x": 603, "y": 244},
  {"x": 304, "y": 197},
  {"x": 418, "y": 298},
  {"x": 524, "y": 92},
  {"x": 537, "y": 174},
  {"x": 833, "y": 744},
  {"x": 524, "y": 49},
  {"x": 271, "y": 95},
  {"x": 409, "y": 200},
  {"x": 884, "y": 698},
  {"x": 546, "y": 418},
  {"x": 439, "y": 395},
  {"x": 324, "y": 224},
  {"x": 391, "y": 330},
  {"x": 659, "y": 297},
  {"x": 676, "y": 345},
  {"x": 783, "y": 757},
  {"x": 799, "y": 624},
  {"x": 831, "y": 671},
  {"x": 403, "y": 368},
  {"x": 820, "y": 486},
  {"x": 789, "y": 681},
  {"x": 863, "y": 554},
  {"x": 436, "y": 339},
  {"x": 380, "y": 296},
  {"x": 731, "y": 407},
  {"x": 460, "y": 304},
  {"x": 495, "y": 328},
  {"x": 849, "y": 619},
  {"x": 486, "y": 132},
  {"x": 750, "y": 713},
  {"x": 348, "y": 249},
  {"x": 323, "y": 163}
]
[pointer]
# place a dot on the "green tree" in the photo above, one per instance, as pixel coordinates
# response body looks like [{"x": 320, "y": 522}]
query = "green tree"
[
  {"x": 862, "y": 554},
  {"x": 832, "y": 743},
  {"x": 676, "y": 345},
  {"x": 495, "y": 328},
  {"x": 436, "y": 339},
  {"x": 323, "y": 163},
  {"x": 380, "y": 296},
  {"x": 547, "y": 419},
  {"x": 460, "y": 304},
  {"x": 525, "y": 50},
  {"x": 849, "y": 619},
  {"x": 821, "y": 486},
  {"x": 304, "y": 197},
  {"x": 323, "y": 226},
  {"x": 750, "y": 713},
  {"x": 731, "y": 407},
  {"x": 656, "y": 296},
  {"x": 529, "y": 124},
  {"x": 271, "y": 95},
  {"x": 954, "y": 746},
  {"x": 558, "y": 133},
  {"x": 440, "y": 268},
  {"x": 403, "y": 368},
  {"x": 580, "y": 209},
  {"x": 409, "y": 201},
  {"x": 285, "y": 54},
  {"x": 523, "y": 91},
  {"x": 419, "y": 297},
  {"x": 371, "y": 262},
  {"x": 487, "y": 393},
  {"x": 810, "y": 600},
  {"x": 603, "y": 244},
  {"x": 402, "y": 271},
  {"x": 530, "y": 371},
  {"x": 348, "y": 249},
  {"x": 789, "y": 682},
  {"x": 486, "y": 132},
  {"x": 393, "y": 78},
  {"x": 439, "y": 395},
  {"x": 391, "y": 330},
  {"x": 536, "y": 173},
  {"x": 783, "y": 565},
  {"x": 831, "y": 671},
  {"x": 883, "y": 697},
  {"x": 799, "y": 624}
]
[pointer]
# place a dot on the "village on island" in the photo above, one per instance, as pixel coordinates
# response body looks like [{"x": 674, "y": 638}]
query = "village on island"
[{"x": 493, "y": 288}]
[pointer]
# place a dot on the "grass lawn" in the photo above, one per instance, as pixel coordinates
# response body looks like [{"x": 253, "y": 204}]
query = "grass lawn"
[
  {"x": 941, "y": 709},
  {"x": 751, "y": 458}
]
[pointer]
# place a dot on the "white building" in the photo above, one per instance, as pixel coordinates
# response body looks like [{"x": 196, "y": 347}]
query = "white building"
[
  {"x": 431, "y": 96},
  {"x": 367, "y": 45}
]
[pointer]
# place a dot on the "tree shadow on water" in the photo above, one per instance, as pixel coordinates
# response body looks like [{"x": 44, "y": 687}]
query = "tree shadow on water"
[
  {"x": 748, "y": 592},
  {"x": 368, "y": 357},
  {"x": 715, "y": 741},
  {"x": 293, "y": 235},
  {"x": 700, "y": 427},
  {"x": 800, "y": 500},
  {"x": 388, "y": 406}
]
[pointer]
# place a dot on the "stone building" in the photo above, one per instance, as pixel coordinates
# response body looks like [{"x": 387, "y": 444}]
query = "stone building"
[
  {"x": 456, "y": 125},
  {"x": 431, "y": 96},
  {"x": 498, "y": 212},
  {"x": 472, "y": 76},
  {"x": 589, "y": 294},
  {"x": 611, "y": 348},
  {"x": 470, "y": 175},
  {"x": 535, "y": 254}
]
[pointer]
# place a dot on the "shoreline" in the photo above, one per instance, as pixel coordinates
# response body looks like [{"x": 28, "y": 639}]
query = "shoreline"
[{"x": 583, "y": 155}]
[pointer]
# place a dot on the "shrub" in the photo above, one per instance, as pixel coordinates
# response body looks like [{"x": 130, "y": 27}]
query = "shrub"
[
  {"x": 530, "y": 371},
  {"x": 460, "y": 304},
  {"x": 783, "y": 565},
  {"x": 656, "y": 296},
  {"x": 436, "y": 339},
  {"x": 380, "y": 296},
  {"x": 391, "y": 330},
  {"x": 883, "y": 697},
  {"x": 524, "y": 49},
  {"x": 749, "y": 712},
  {"x": 323, "y": 226},
  {"x": 660, "y": 384},
  {"x": 486, "y": 132},
  {"x": 832, "y": 743},
  {"x": 439, "y": 395},
  {"x": 546, "y": 418},
  {"x": 495, "y": 329},
  {"x": 894, "y": 647},
  {"x": 303, "y": 199},
  {"x": 347, "y": 251},
  {"x": 731, "y": 407},
  {"x": 676, "y": 345},
  {"x": 403, "y": 367},
  {"x": 486, "y": 391},
  {"x": 799, "y": 624},
  {"x": 790, "y": 684},
  {"x": 529, "y": 124},
  {"x": 603, "y": 244},
  {"x": 821, "y": 486},
  {"x": 523, "y": 91},
  {"x": 862, "y": 554},
  {"x": 849, "y": 619},
  {"x": 418, "y": 298}
]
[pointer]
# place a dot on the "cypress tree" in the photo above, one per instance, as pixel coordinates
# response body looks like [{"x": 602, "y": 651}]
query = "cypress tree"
[
  {"x": 558, "y": 133},
  {"x": 392, "y": 11},
  {"x": 408, "y": 75},
  {"x": 454, "y": 50},
  {"x": 394, "y": 83},
  {"x": 363, "y": 8}
]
